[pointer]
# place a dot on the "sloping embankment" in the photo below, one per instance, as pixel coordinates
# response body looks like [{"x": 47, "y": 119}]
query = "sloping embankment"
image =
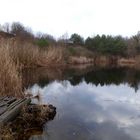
[{"x": 106, "y": 60}]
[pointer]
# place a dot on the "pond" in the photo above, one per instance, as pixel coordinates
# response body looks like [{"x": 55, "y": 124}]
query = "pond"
[{"x": 91, "y": 103}]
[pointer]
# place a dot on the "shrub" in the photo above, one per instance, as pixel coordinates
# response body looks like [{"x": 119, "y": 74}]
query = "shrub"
[{"x": 42, "y": 42}]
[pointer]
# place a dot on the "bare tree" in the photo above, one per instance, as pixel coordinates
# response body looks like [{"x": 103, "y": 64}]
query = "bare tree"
[
  {"x": 6, "y": 27},
  {"x": 23, "y": 33}
]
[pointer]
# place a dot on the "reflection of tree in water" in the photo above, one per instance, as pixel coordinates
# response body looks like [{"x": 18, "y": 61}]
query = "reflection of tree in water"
[
  {"x": 107, "y": 76},
  {"x": 102, "y": 76},
  {"x": 41, "y": 76},
  {"x": 133, "y": 78}
]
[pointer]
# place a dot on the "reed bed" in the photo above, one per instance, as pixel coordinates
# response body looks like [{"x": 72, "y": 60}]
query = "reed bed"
[
  {"x": 29, "y": 55},
  {"x": 53, "y": 56},
  {"x": 15, "y": 56},
  {"x": 25, "y": 55},
  {"x": 10, "y": 79}
]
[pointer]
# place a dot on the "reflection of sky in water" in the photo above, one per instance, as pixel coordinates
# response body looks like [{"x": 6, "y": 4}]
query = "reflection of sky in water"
[{"x": 87, "y": 112}]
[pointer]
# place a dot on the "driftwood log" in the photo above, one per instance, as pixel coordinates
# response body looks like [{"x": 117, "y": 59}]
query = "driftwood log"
[{"x": 10, "y": 107}]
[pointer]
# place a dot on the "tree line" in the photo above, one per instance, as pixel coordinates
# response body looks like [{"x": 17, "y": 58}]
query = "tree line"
[
  {"x": 102, "y": 44},
  {"x": 110, "y": 45}
]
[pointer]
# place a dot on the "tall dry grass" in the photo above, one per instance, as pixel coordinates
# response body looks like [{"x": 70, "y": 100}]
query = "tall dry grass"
[
  {"x": 15, "y": 56},
  {"x": 51, "y": 57},
  {"x": 10, "y": 79},
  {"x": 25, "y": 55},
  {"x": 28, "y": 55}
]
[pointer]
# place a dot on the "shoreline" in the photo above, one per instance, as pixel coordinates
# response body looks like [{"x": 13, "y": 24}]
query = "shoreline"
[{"x": 105, "y": 60}]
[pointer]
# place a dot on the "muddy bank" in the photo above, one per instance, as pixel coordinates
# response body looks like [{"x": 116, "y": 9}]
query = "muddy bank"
[{"x": 30, "y": 121}]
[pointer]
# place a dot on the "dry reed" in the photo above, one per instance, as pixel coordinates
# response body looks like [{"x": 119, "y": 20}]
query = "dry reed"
[
  {"x": 53, "y": 56},
  {"x": 25, "y": 54},
  {"x": 14, "y": 56},
  {"x": 28, "y": 55},
  {"x": 10, "y": 80}
]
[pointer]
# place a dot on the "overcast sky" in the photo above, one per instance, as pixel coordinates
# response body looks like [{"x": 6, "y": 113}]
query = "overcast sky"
[{"x": 85, "y": 17}]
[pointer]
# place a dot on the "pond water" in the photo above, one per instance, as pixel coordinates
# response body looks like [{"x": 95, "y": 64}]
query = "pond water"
[{"x": 91, "y": 103}]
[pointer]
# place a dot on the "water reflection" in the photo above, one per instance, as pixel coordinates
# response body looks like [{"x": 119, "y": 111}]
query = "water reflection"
[
  {"x": 98, "y": 105},
  {"x": 102, "y": 76}
]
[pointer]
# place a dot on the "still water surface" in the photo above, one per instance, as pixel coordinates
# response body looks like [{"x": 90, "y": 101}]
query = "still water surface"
[{"x": 92, "y": 104}]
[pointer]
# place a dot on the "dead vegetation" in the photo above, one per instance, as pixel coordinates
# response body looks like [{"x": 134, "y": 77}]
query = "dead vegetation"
[
  {"x": 31, "y": 119},
  {"x": 29, "y": 55},
  {"x": 24, "y": 54},
  {"x": 80, "y": 60},
  {"x": 10, "y": 79},
  {"x": 51, "y": 57},
  {"x": 14, "y": 57}
]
